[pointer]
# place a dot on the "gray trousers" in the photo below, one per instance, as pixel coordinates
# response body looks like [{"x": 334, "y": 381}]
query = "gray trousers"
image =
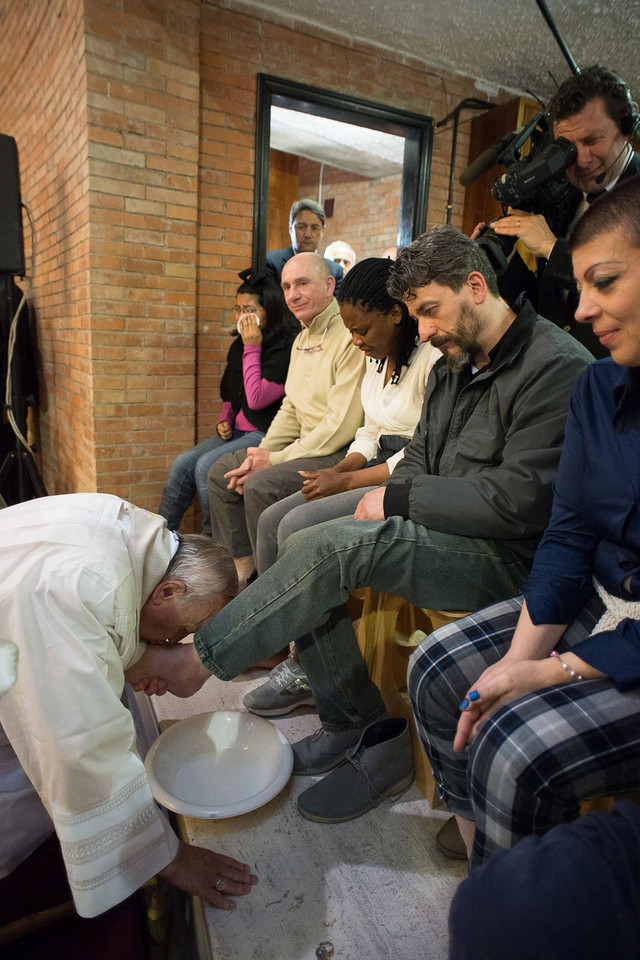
[
  {"x": 294, "y": 513},
  {"x": 307, "y": 586},
  {"x": 234, "y": 517}
]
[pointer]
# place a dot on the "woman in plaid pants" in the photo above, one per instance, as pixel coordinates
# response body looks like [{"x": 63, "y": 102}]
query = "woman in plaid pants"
[{"x": 533, "y": 705}]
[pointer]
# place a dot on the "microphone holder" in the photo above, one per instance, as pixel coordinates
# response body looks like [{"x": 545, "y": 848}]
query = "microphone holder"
[{"x": 469, "y": 103}]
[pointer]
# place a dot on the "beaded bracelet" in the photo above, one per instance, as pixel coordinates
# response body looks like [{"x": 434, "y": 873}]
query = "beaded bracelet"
[{"x": 565, "y": 666}]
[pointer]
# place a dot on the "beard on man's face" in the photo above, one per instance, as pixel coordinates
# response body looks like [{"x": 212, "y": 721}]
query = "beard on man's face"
[{"x": 463, "y": 337}]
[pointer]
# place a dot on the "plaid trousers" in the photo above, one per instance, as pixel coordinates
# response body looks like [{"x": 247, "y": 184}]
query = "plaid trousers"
[{"x": 535, "y": 759}]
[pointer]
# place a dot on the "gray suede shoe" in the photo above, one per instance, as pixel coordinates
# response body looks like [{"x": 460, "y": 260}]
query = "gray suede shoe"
[
  {"x": 379, "y": 766},
  {"x": 323, "y": 750}
]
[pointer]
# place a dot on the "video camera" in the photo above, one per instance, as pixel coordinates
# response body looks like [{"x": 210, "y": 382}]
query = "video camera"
[{"x": 535, "y": 183}]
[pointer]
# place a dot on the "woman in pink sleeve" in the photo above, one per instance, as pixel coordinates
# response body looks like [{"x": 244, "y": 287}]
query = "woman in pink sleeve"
[{"x": 252, "y": 389}]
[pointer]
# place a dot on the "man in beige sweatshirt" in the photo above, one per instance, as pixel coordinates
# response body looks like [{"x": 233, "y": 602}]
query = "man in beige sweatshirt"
[{"x": 319, "y": 416}]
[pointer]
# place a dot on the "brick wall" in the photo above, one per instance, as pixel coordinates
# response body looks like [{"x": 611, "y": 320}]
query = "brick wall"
[
  {"x": 44, "y": 108},
  {"x": 143, "y": 90},
  {"x": 135, "y": 121},
  {"x": 365, "y": 212}
]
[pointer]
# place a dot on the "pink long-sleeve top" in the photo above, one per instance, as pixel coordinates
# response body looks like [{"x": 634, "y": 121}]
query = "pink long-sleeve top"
[{"x": 260, "y": 392}]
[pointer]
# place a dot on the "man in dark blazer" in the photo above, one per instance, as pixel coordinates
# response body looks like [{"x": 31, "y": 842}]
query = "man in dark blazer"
[
  {"x": 595, "y": 112},
  {"x": 307, "y": 221}
]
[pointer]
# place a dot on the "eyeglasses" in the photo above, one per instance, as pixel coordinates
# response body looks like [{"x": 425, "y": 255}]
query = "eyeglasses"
[{"x": 317, "y": 347}]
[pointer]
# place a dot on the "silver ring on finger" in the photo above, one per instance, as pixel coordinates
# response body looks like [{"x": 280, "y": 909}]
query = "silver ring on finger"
[{"x": 221, "y": 884}]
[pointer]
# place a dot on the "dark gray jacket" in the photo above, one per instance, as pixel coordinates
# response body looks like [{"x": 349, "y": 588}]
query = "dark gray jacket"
[{"x": 484, "y": 456}]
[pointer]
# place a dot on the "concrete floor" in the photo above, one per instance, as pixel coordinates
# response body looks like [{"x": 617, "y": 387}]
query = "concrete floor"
[{"x": 374, "y": 889}]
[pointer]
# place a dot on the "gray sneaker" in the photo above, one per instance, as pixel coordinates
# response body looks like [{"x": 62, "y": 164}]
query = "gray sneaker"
[{"x": 286, "y": 689}]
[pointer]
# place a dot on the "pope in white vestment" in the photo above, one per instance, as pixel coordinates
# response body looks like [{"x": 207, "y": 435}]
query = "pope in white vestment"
[{"x": 75, "y": 572}]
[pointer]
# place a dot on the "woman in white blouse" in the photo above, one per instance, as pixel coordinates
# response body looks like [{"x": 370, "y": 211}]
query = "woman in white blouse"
[{"x": 392, "y": 393}]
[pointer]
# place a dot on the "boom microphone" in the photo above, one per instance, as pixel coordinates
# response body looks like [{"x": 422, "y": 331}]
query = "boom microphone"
[
  {"x": 480, "y": 165},
  {"x": 494, "y": 154}
]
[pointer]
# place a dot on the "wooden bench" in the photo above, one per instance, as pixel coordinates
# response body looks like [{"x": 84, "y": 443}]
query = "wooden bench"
[{"x": 389, "y": 628}]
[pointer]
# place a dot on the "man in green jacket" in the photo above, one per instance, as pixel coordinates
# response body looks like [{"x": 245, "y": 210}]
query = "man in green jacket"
[{"x": 455, "y": 527}]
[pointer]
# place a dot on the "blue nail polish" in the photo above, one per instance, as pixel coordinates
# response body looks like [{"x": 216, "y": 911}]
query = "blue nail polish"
[
  {"x": 474, "y": 695},
  {"x": 464, "y": 704}
]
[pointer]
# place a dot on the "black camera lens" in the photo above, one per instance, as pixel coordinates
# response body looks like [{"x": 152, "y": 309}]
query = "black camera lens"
[{"x": 497, "y": 248}]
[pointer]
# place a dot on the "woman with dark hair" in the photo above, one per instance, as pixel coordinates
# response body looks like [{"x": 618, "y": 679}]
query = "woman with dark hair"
[
  {"x": 252, "y": 389},
  {"x": 531, "y": 706},
  {"x": 392, "y": 393}
]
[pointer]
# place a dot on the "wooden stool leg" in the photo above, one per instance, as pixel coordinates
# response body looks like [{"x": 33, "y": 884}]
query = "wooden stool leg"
[{"x": 384, "y": 619}]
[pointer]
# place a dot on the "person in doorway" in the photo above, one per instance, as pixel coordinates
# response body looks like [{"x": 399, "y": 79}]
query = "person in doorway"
[
  {"x": 342, "y": 254},
  {"x": 307, "y": 221}
]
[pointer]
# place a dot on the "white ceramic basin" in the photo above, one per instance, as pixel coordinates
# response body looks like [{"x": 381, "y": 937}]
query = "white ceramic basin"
[{"x": 218, "y": 764}]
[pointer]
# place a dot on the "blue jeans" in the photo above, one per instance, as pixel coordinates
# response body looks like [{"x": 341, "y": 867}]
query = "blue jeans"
[
  {"x": 305, "y": 590},
  {"x": 188, "y": 473}
]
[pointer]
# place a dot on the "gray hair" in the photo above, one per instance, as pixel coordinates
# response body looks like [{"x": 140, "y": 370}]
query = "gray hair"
[
  {"x": 307, "y": 205},
  {"x": 205, "y": 568},
  {"x": 337, "y": 248},
  {"x": 444, "y": 255}
]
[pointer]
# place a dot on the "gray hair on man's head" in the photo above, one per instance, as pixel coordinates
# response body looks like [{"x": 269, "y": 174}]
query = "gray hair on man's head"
[
  {"x": 205, "y": 568},
  {"x": 444, "y": 255},
  {"x": 307, "y": 204}
]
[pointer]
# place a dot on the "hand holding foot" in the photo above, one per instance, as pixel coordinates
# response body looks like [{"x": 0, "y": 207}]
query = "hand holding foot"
[{"x": 176, "y": 669}]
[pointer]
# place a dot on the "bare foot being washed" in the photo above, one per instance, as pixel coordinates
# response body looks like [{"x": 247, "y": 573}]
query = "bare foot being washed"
[{"x": 174, "y": 668}]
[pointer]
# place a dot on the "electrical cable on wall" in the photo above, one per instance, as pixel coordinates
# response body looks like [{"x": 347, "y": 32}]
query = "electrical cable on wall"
[{"x": 8, "y": 395}]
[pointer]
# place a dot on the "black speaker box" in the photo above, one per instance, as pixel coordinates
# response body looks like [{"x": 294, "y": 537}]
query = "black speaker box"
[{"x": 11, "y": 236}]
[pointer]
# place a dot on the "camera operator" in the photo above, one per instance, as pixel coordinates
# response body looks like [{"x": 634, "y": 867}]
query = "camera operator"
[{"x": 595, "y": 112}]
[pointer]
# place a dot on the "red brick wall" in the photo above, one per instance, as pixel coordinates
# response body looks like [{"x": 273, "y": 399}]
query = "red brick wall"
[
  {"x": 135, "y": 121},
  {"x": 365, "y": 215},
  {"x": 143, "y": 83},
  {"x": 44, "y": 108},
  {"x": 365, "y": 212}
]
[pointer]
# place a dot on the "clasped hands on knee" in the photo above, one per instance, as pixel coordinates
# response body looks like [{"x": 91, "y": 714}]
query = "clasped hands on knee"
[
  {"x": 500, "y": 683},
  {"x": 257, "y": 458},
  {"x": 317, "y": 484}
]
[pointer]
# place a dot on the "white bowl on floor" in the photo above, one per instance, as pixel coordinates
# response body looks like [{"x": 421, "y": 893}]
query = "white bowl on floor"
[{"x": 221, "y": 764}]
